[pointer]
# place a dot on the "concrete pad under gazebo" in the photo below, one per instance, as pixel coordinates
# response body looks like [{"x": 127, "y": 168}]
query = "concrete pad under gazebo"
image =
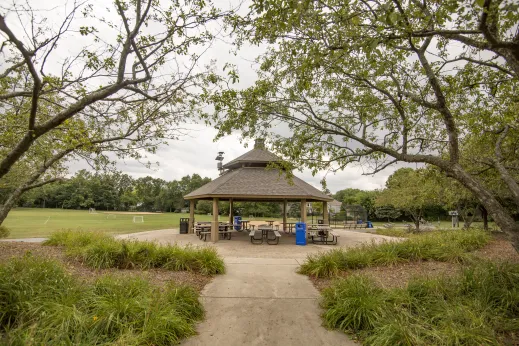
[{"x": 247, "y": 179}]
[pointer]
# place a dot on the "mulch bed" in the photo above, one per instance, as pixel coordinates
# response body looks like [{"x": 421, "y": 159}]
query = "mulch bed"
[
  {"x": 158, "y": 277},
  {"x": 399, "y": 275}
]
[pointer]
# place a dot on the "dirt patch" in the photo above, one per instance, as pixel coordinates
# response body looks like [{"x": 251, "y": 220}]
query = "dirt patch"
[
  {"x": 158, "y": 277},
  {"x": 399, "y": 275},
  {"x": 499, "y": 249}
]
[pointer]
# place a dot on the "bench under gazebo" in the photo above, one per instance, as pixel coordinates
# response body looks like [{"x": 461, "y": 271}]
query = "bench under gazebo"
[{"x": 247, "y": 179}]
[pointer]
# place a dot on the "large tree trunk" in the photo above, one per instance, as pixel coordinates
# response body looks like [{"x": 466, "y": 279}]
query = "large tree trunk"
[
  {"x": 467, "y": 220},
  {"x": 484, "y": 215},
  {"x": 502, "y": 218},
  {"x": 9, "y": 204}
]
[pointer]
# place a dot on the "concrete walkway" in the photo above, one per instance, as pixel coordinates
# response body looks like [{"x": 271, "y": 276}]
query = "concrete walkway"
[{"x": 262, "y": 301}]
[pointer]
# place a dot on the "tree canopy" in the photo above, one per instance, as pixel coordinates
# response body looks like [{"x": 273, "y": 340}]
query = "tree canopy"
[
  {"x": 378, "y": 82},
  {"x": 103, "y": 82}
]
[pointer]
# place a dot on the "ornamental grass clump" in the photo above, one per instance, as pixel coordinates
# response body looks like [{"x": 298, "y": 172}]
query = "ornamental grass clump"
[
  {"x": 446, "y": 246},
  {"x": 4, "y": 232},
  {"x": 99, "y": 250},
  {"x": 480, "y": 306},
  {"x": 40, "y": 304}
]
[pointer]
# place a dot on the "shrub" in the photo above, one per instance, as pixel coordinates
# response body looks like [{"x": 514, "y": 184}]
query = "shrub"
[
  {"x": 41, "y": 304},
  {"x": 99, "y": 250},
  {"x": 478, "y": 307},
  {"x": 70, "y": 238},
  {"x": 352, "y": 304},
  {"x": 451, "y": 246},
  {"x": 4, "y": 232}
]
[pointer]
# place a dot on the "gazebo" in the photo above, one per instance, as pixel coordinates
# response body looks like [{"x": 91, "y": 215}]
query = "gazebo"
[{"x": 247, "y": 178}]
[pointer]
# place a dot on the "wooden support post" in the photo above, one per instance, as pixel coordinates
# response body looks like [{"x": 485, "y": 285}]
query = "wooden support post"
[
  {"x": 214, "y": 223},
  {"x": 285, "y": 215},
  {"x": 191, "y": 216},
  {"x": 326, "y": 219},
  {"x": 303, "y": 210},
  {"x": 231, "y": 219}
]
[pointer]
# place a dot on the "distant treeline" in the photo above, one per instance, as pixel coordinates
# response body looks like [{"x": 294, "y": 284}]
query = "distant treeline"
[
  {"x": 119, "y": 191},
  {"x": 113, "y": 191}
]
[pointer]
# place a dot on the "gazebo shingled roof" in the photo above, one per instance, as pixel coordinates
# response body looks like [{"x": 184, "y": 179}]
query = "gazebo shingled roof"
[
  {"x": 257, "y": 183},
  {"x": 256, "y": 156},
  {"x": 248, "y": 178}
]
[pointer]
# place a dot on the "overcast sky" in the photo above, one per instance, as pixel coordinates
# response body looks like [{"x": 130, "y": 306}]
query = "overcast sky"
[{"x": 196, "y": 152}]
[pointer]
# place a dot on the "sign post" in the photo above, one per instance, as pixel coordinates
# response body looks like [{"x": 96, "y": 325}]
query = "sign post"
[{"x": 455, "y": 219}]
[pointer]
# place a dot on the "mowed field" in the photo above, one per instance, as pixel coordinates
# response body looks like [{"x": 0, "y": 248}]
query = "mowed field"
[
  {"x": 36, "y": 222},
  {"x": 29, "y": 222}
]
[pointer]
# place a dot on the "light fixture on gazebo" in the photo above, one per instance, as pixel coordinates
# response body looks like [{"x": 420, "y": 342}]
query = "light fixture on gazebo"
[{"x": 219, "y": 158}]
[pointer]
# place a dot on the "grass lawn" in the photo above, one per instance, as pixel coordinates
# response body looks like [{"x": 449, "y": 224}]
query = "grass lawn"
[{"x": 34, "y": 222}]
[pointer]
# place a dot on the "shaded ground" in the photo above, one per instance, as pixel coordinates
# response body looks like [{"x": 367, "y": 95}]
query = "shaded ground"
[
  {"x": 159, "y": 277},
  {"x": 399, "y": 275}
]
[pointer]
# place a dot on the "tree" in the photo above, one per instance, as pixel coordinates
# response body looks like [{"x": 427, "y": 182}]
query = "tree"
[
  {"x": 124, "y": 90},
  {"x": 387, "y": 212},
  {"x": 377, "y": 83},
  {"x": 351, "y": 196},
  {"x": 411, "y": 191}
]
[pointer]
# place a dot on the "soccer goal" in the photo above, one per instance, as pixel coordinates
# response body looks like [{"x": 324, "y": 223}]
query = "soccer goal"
[
  {"x": 111, "y": 216},
  {"x": 138, "y": 219},
  {"x": 92, "y": 211}
]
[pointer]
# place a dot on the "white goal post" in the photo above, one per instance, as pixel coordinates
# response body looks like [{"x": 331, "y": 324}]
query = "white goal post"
[
  {"x": 138, "y": 219},
  {"x": 92, "y": 211}
]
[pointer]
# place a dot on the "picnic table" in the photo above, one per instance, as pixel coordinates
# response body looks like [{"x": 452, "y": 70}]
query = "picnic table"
[
  {"x": 203, "y": 229},
  {"x": 320, "y": 234},
  {"x": 244, "y": 225},
  {"x": 265, "y": 229},
  {"x": 257, "y": 238},
  {"x": 291, "y": 226},
  {"x": 270, "y": 222}
]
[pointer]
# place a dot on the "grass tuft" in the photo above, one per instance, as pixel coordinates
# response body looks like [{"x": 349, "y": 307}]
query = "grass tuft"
[
  {"x": 479, "y": 307},
  {"x": 352, "y": 304},
  {"x": 446, "y": 246},
  {"x": 394, "y": 232},
  {"x": 99, "y": 250},
  {"x": 40, "y": 304},
  {"x": 4, "y": 232}
]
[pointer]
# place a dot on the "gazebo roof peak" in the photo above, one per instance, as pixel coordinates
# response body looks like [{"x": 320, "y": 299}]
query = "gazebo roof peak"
[{"x": 259, "y": 156}]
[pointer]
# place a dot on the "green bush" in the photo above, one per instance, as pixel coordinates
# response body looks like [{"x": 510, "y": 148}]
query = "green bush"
[
  {"x": 479, "y": 307},
  {"x": 4, "y": 232},
  {"x": 353, "y": 304},
  {"x": 447, "y": 246},
  {"x": 40, "y": 304},
  {"x": 99, "y": 250}
]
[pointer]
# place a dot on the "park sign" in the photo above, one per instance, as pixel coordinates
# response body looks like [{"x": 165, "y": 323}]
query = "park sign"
[{"x": 453, "y": 213}]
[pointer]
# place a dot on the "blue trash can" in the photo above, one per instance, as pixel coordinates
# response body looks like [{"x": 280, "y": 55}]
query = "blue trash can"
[
  {"x": 237, "y": 221},
  {"x": 369, "y": 224},
  {"x": 300, "y": 233}
]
